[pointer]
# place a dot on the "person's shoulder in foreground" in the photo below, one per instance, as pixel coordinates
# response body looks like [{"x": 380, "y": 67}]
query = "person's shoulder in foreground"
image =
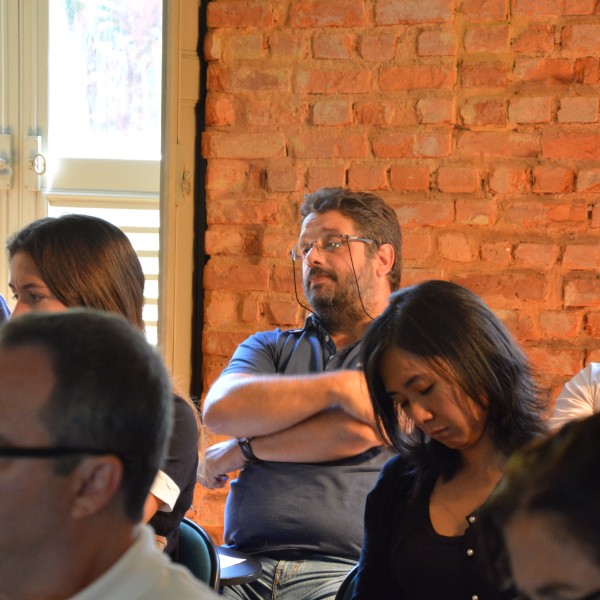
[
  {"x": 4, "y": 310},
  {"x": 80, "y": 449},
  {"x": 579, "y": 398}
]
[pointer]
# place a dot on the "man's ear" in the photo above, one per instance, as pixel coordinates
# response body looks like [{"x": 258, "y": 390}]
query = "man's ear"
[
  {"x": 385, "y": 260},
  {"x": 97, "y": 480}
]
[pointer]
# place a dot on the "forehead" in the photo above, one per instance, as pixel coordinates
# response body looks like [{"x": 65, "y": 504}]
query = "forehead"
[
  {"x": 27, "y": 381},
  {"x": 316, "y": 224},
  {"x": 22, "y": 266}
]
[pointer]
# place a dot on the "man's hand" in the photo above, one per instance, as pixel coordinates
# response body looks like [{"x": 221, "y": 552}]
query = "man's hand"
[{"x": 220, "y": 459}]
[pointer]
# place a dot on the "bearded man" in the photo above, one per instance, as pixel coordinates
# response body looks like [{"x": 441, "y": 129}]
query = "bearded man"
[{"x": 296, "y": 405}]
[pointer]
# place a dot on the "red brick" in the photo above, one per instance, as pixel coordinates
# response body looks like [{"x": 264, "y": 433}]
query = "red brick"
[
  {"x": 592, "y": 325},
  {"x": 502, "y": 144},
  {"x": 275, "y": 112},
  {"x": 537, "y": 214},
  {"x": 497, "y": 253},
  {"x": 530, "y": 110},
  {"x": 394, "y": 145},
  {"x": 582, "y": 257},
  {"x": 288, "y": 44},
  {"x": 484, "y": 10},
  {"x": 506, "y": 288},
  {"x": 593, "y": 356},
  {"x": 334, "y": 82},
  {"x": 327, "y": 13},
  {"x": 409, "y": 178},
  {"x": 484, "y": 112},
  {"x": 560, "y": 324},
  {"x": 213, "y": 46},
  {"x": 285, "y": 178},
  {"x": 251, "y": 309},
  {"x": 537, "y": 7},
  {"x": 377, "y": 47},
  {"x": 416, "y": 77},
  {"x": 536, "y": 256},
  {"x": 417, "y": 245},
  {"x": 553, "y": 361},
  {"x": 587, "y": 70},
  {"x": 458, "y": 180},
  {"x": 220, "y": 309},
  {"x": 581, "y": 38},
  {"x": 435, "y": 42},
  {"x": 230, "y": 175},
  {"x": 242, "y": 212},
  {"x": 510, "y": 179},
  {"x": 544, "y": 70},
  {"x": 372, "y": 112},
  {"x": 489, "y": 74},
  {"x": 247, "y": 47},
  {"x": 582, "y": 292},
  {"x": 220, "y": 110},
  {"x": 433, "y": 143},
  {"x": 596, "y": 216},
  {"x": 221, "y": 79},
  {"x": 242, "y": 145},
  {"x": 282, "y": 279},
  {"x": 414, "y": 276},
  {"x": 283, "y": 313},
  {"x": 239, "y": 14},
  {"x": 474, "y": 212},
  {"x": 549, "y": 179},
  {"x": 329, "y": 143},
  {"x": 578, "y": 109},
  {"x": 332, "y": 112},
  {"x": 428, "y": 213},
  {"x": 393, "y": 12},
  {"x": 368, "y": 177},
  {"x": 276, "y": 244},
  {"x": 579, "y": 7},
  {"x": 571, "y": 144},
  {"x": 490, "y": 39},
  {"x": 435, "y": 110},
  {"x": 322, "y": 176},
  {"x": 520, "y": 325},
  {"x": 535, "y": 38},
  {"x": 239, "y": 277},
  {"x": 458, "y": 247},
  {"x": 333, "y": 46},
  {"x": 223, "y": 344},
  {"x": 588, "y": 180}
]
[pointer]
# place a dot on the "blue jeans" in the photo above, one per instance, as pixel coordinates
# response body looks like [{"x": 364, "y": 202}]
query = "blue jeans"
[{"x": 317, "y": 578}]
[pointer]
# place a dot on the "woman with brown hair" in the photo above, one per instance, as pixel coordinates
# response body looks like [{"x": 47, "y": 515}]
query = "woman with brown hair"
[{"x": 85, "y": 261}]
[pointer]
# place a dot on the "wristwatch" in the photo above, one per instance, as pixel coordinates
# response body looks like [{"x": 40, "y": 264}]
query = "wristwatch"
[{"x": 246, "y": 448}]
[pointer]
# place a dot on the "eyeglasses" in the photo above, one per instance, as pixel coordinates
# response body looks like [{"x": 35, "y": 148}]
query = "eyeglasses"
[
  {"x": 48, "y": 452},
  {"x": 328, "y": 243}
]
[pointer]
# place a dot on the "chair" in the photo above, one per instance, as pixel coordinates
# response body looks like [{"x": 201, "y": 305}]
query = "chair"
[
  {"x": 197, "y": 552},
  {"x": 347, "y": 588}
]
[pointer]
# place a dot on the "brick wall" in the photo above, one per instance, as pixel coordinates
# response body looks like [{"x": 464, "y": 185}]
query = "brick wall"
[{"x": 478, "y": 120}]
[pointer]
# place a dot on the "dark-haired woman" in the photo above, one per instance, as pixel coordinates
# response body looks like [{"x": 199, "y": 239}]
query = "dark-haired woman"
[
  {"x": 80, "y": 260},
  {"x": 452, "y": 393}
]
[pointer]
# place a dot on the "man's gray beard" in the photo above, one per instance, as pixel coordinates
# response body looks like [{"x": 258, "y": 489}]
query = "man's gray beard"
[{"x": 341, "y": 307}]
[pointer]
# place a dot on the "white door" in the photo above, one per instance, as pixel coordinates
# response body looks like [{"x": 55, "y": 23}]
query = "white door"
[{"x": 80, "y": 119}]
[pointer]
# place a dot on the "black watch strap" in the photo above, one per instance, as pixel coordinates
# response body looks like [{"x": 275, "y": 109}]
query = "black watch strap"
[{"x": 246, "y": 448}]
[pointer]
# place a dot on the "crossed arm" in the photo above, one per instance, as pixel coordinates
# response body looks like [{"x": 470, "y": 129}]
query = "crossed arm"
[{"x": 309, "y": 418}]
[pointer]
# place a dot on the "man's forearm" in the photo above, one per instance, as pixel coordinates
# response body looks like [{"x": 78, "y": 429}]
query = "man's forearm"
[
  {"x": 242, "y": 405},
  {"x": 330, "y": 435}
]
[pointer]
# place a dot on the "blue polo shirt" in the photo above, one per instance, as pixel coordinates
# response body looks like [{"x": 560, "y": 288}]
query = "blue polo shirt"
[{"x": 310, "y": 507}]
